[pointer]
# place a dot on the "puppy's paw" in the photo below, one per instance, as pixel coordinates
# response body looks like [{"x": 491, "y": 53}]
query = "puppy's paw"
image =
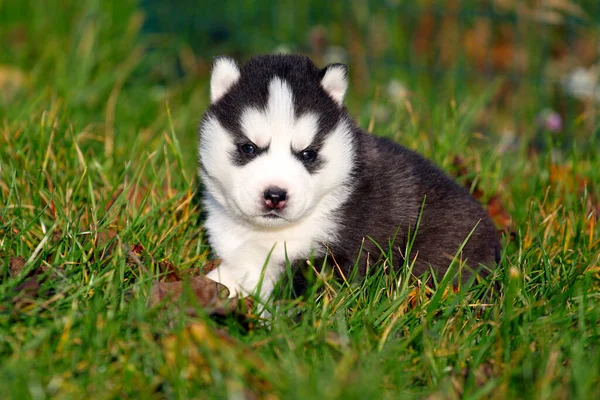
[{"x": 224, "y": 277}]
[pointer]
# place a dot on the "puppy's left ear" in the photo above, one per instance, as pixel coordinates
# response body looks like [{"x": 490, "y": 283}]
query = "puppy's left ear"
[
  {"x": 335, "y": 81},
  {"x": 225, "y": 73}
]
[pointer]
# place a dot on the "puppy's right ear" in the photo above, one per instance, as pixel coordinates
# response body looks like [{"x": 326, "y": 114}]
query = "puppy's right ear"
[{"x": 225, "y": 74}]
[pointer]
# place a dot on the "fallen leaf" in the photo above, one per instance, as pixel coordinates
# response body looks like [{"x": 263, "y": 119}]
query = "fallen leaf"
[
  {"x": 137, "y": 249},
  {"x": 418, "y": 293},
  {"x": 57, "y": 235},
  {"x": 29, "y": 288},
  {"x": 15, "y": 265},
  {"x": 167, "y": 270},
  {"x": 209, "y": 293},
  {"x": 211, "y": 265},
  {"x": 499, "y": 215},
  {"x": 211, "y": 296}
]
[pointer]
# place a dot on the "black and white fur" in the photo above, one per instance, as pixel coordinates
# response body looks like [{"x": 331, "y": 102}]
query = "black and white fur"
[{"x": 288, "y": 175}]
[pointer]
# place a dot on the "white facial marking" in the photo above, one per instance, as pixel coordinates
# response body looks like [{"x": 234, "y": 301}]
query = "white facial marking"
[
  {"x": 278, "y": 122},
  {"x": 335, "y": 83},
  {"x": 225, "y": 73}
]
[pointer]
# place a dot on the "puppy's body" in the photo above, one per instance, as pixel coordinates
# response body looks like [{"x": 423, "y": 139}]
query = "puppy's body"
[{"x": 288, "y": 175}]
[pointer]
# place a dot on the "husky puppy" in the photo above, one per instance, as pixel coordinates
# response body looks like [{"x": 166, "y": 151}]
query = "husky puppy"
[{"x": 287, "y": 175}]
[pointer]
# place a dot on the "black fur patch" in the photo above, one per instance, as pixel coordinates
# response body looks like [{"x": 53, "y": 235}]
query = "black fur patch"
[
  {"x": 392, "y": 185},
  {"x": 312, "y": 166},
  {"x": 239, "y": 158}
]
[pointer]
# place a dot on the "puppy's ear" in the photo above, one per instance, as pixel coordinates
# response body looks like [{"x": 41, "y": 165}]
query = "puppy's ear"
[
  {"x": 335, "y": 81},
  {"x": 225, "y": 73}
]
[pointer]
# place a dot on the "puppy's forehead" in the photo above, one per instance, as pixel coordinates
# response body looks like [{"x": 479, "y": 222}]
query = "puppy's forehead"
[
  {"x": 278, "y": 92},
  {"x": 277, "y": 122}
]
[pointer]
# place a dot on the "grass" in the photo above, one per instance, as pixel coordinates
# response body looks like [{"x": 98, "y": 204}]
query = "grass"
[{"x": 97, "y": 148}]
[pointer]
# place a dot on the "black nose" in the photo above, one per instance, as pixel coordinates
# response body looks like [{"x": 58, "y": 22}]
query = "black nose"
[{"x": 275, "y": 197}]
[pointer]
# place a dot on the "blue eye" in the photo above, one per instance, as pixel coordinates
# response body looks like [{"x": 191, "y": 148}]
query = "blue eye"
[
  {"x": 308, "y": 155},
  {"x": 248, "y": 149}
]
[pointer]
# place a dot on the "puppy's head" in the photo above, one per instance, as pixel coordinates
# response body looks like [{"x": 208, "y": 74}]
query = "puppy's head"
[{"x": 276, "y": 140}]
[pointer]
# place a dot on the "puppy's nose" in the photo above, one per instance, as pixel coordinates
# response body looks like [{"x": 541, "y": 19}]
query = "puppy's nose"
[{"x": 275, "y": 197}]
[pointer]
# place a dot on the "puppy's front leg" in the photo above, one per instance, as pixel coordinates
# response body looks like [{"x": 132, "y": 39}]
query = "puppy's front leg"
[{"x": 247, "y": 270}]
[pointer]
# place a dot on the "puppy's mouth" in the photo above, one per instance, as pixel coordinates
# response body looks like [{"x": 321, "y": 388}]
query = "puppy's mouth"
[{"x": 272, "y": 215}]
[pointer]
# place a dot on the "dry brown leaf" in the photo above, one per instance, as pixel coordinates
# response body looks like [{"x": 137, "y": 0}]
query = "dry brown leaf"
[
  {"x": 57, "y": 235},
  {"x": 499, "y": 215},
  {"x": 29, "y": 289},
  {"x": 167, "y": 270},
  {"x": 208, "y": 292},
  {"x": 15, "y": 265},
  {"x": 209, "y": 266},
  {"x": 212, "y": 296},
  {"x": 414, "y": 297},
  {"x": 137, "y": 249}
]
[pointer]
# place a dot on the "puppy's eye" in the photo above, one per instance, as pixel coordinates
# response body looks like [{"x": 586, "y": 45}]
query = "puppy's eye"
[
  {"x": 248, "y": 149},
  {"x": 308, "y": 155}
]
